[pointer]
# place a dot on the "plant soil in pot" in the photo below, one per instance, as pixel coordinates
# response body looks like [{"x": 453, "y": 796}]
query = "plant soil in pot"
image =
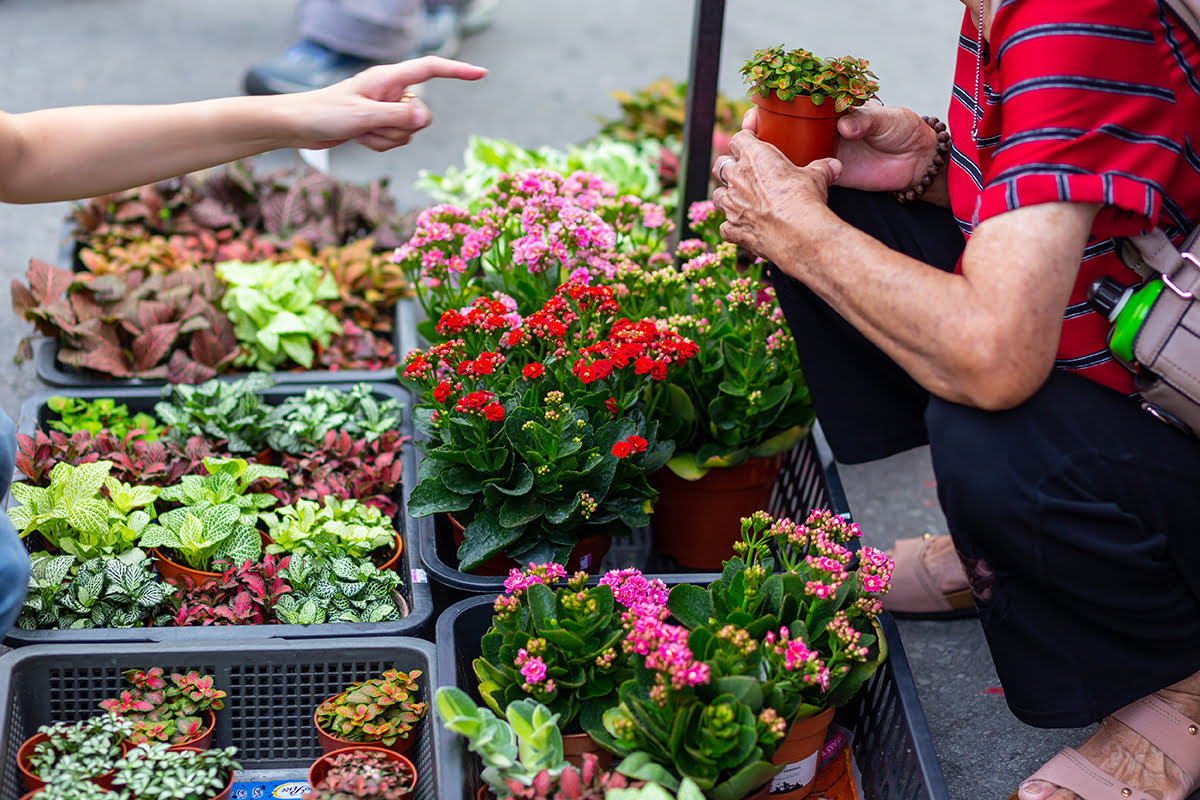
[
  {"x": 798, "y": 757},
  {"x": 390, "y": 773},
  {"x": 697, "y": 522}
]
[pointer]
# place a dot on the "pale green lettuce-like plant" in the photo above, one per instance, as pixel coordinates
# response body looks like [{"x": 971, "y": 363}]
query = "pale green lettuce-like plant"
[
  {"x": 72, "y": 514},
  {"x": 276, "y": 311},
  {"x": 330, "y": 528}
]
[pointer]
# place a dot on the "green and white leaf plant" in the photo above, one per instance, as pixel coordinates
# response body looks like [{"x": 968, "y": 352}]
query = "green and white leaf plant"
[
  {"x": 232, "y": 412},
  {"x": 120, "y": 592},
  {"x": 330, "y": 528},
  {"x": 299, "y": 424},
  {"x": 337, "y": 590},
  {"x": 79, "y": 751},
  {"x": 154, "y": 772}
]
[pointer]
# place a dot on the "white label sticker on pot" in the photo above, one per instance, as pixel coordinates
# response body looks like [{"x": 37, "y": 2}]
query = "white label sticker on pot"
[
  {"x": 585, "y": 561},
  {"x": 419, "y": 576},
  {"x": 293, "y": 789},
  {"x": 795, "y": 775}
]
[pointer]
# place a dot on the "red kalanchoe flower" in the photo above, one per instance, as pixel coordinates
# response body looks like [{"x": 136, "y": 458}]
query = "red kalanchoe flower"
[
  {"x": 621, "y": 449},
  {"x": 531, "y": 371},
  {"x": 494, "y": 412},
  {"x": 611, "y": 405},
  {"x": 442, "y": 392}
]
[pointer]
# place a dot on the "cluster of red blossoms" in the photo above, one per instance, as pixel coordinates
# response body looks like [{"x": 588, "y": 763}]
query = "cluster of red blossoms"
[
  {"x": 478, "y": 402},
  {"x": 643, "y": 344},
  {"x": 484, "y": 314},
  {"x": 628, "y": 446}
]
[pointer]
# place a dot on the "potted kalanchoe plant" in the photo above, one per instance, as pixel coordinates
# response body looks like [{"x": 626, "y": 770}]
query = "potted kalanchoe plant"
[
  {"x": 735, "y": 408},
  {"x": 794, "y": 612},
  {"x": 177, "y": 709},
  {"x": 558, "y": 642},
  {"x": 153, "y": 771},
  {"x": 800, "y": 97},
  {"x": 535, "y": 433},
  {"x": 362, "y": 773},
  {"x": 64, "y": 752},
  {"x": 533, "y": 230},
  {"x": 382, "y": 711}
]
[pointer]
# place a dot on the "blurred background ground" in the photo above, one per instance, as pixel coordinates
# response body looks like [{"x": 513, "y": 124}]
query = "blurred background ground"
[{"x": 553, "y": 66}]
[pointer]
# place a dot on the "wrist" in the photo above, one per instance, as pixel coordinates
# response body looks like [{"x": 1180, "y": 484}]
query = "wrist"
[{"x": 939, "y": 139}]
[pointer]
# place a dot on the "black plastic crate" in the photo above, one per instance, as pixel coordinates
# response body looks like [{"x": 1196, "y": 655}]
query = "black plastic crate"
[
  {"x": 52, "y": 372},
  {"x": 415, "y": 590},
  {"x": 809, "y": 480},
  {"x": 273, "y": 689},
  {"x": 892, "y": 745}
]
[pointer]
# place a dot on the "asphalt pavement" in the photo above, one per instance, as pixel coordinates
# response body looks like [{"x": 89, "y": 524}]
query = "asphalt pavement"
[{"x": 553, "y": 66}]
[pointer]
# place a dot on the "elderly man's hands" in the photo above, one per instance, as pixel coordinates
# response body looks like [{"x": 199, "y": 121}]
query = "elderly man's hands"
[{"x": 767, "y": 200}]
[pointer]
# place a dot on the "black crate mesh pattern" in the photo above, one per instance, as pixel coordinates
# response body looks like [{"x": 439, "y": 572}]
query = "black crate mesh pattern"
[
  {"x": 801, "y": 485},
  {"x": 268, "y": 714}
]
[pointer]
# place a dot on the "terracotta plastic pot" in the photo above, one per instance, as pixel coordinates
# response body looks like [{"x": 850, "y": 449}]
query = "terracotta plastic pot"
[
  {"x": 585, "y": 555},
  {"x": 397, "y": 549},
  {"x": 576, "y": 744},
  {"x": 172, "y": 571},
  {"x": 802, "y": 131},
  {"x": 32, "y": 782},
  {"x": 697, "y": 522},
  {"x": 798, "y": 757},
  {"x": 331, "y": 743},
  {"x": 320, "y": 768}
]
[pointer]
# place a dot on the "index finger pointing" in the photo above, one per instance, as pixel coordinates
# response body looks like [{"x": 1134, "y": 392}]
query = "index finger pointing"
[{"x": 422, "y": 69}]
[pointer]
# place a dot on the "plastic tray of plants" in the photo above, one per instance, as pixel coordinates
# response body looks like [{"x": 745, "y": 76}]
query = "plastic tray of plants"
[
  {"x": 271, "y": 700},
  {"x": 185, "y": 535},
  {"x": 198, "y": 276},
  {"x": 809, "y": 480}
]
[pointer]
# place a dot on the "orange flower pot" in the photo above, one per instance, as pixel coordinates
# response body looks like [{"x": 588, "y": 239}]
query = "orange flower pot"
[
  {"x": 697, "y": 522},
  {"x": 798, "y": 757},
  {"x": 331, "y": 743},
  {"x": 576, "y": 744},
  {"x": 32, "y": 782},
  {"x": 174, "y": 572},
  {"x": 802, "y": 131},
  {"x": 320, "y": 768}
]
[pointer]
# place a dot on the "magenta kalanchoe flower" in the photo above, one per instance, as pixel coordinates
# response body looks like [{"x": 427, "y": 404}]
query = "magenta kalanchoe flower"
[
  {"x": 518, "y": 580},
  {"x": 631, "y": 589}
]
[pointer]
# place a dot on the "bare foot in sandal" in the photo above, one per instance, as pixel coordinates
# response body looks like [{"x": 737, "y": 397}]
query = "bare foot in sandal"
[
  {"x": 928, "y": 581},
  {"x": 1130, "y": 766}
]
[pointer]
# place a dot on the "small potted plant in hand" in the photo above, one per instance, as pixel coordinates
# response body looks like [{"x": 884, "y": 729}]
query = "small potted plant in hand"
[
  {"x": 362, "y": 773},
  {"x": 800, "y": 97},
  {"x": 561, "y": 646},
  {"x": 72, "y": 753},
  {"x": 156, "y": 772},
  {"x": 178, "y": 709},
  {"x": 381, "y": 711}
]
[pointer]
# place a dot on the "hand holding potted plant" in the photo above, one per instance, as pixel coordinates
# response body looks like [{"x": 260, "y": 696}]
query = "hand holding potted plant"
[
  {"x": 800, "y": 96},
  {"x": 176, "y": 709},
  {"x": 381, "y": 711},
  {"x": 561, "y": 646}
]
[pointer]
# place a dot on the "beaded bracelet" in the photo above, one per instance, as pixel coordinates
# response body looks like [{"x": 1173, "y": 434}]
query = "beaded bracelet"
[{"x": 935, "y": 168}]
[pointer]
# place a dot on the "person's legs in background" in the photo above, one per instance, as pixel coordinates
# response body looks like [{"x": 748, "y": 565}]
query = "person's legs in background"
[
  {"x": 339, "y": 38},
  {"x": 14, "y": 559}
]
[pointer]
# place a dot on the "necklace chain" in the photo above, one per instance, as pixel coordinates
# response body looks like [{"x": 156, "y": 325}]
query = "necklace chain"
[{"x": 977, "y": 111}]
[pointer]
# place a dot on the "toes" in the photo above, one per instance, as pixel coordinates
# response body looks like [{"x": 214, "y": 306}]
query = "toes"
[{"x": 1036, "y": 790}]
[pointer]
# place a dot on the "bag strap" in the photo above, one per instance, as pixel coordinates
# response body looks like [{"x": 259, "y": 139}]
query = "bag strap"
[{"x": 1154, "y": 253}]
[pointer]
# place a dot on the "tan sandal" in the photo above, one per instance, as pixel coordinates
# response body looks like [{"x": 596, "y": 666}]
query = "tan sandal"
[
  {"x": 915, "y": 593},
  {"x": 1156, "y": 721}
]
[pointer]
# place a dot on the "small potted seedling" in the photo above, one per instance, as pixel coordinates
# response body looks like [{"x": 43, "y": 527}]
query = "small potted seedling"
[
  {"x": 156, "y": 772},
  {"x": 362, "y": 772},
  {"x": 73, "y": 752},
  {"x": 800, "y": 96},
  {"x": 381, "y": 711},
  {"x": 177, "y": 709}
]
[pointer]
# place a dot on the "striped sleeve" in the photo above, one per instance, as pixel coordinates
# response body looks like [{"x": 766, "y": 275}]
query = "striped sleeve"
[{"x": 1088, "y": 112}]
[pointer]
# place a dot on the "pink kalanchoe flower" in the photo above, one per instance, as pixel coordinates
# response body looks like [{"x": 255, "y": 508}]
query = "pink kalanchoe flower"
[
  {"x": 533, "y": 670},
  {"x": 518, "y": 580}
]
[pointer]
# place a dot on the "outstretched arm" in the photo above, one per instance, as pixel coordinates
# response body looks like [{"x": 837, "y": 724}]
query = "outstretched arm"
[{"x": 84, "y": 151}]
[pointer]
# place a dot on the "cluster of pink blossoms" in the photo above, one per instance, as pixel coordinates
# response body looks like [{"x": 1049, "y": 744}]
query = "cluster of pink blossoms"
[
  {"x": 631, "y": 589},
  {"x": 875, "y": 570},
  {"x": 798, "y": 658},
  {"x": 664, "y": 648},
  {"x": 533, "y": 670},
  {"x": 518, "y": 580}
]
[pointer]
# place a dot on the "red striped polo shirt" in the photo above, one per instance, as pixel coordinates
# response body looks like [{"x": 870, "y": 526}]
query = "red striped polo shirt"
[{"x": 1089, "y": 101}]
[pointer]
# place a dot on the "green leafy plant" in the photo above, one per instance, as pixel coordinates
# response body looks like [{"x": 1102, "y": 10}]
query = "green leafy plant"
[
  {"x": 299, "y": 424},
  {"x": 243, "y": 594},
  {"x": 337, "y": 590},
  {"x": 121, "y": 592},
  {"x": 165, "y": 708},
  {"x": 79, "y": 751},
  {"x": 806, "y": 598},
  {"x": 846, "y": 80},
  {"x": 76, "y": 790},
  {"x": 276, "y": 311},
  {"x": 560, "y": 643},
  {"x": 103, "y": 413},
  {"x": 365, "y": 775},
  {"x": 536, "y": 436},
  {"x": 331, "y": 528},
  {"x": 523, "y": 744},
  {"x": 629, "y": 166},
  {"x": 218, "y": 513},
  {"x": 73, "y": 515},
  {"x": 383, "y": 709},
  {"x": 743, "y": 395},
  {"x": 231, "y": 413},
  {"x": 346, "y": 468},
  {"x": 154, "y": 772}
]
